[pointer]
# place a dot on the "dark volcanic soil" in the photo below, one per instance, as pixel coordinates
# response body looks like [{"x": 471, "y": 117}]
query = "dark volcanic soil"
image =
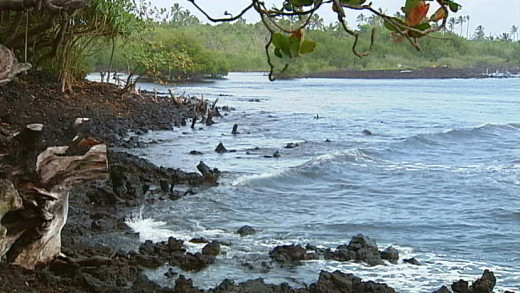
[{"x": 36, "y": 98}]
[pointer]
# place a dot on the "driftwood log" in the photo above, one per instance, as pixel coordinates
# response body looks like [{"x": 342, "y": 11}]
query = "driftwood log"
[
  {"x": 9, "y": 66},
  {"x": 34, "y": 193}
]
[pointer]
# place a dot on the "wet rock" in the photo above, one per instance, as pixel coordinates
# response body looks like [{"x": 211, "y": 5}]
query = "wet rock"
[
  {"x": 195, "y": 153},
  {"x": 3, "y": 141},
  {"x": 146, "y": 261},
  {"x": 133, "y": 139},
  {"x": 183, "y": 285},
  {"x": 485, "y": 284},
  {"x": 443, "y": 289},
  {"x": 175, "y": 195},
  {"x": 193, "y": 262},
  {"x": 360, "y": 248},
  {"x": 338, "y": 282},
  {"x": 146, "y": 187},
  {"x": 367, "y": 132},
  {"x": 412, "y": 261},
  {"x": 391, "y": 254},
  {"x": 143, "y": 284},
  {"x": 274, "y": 155},
  {"x": 211, "y": 249},
  {"x": 170, "y": 273},
  {"x": 460, "y": 286},
  {"x": 165, "y": 187},
  {"x": 190, "y": 191},
  {"x": 246, "y": 230},
  {"x": 220, "y": 149},
  {"x": 311, "y": 247},
  {"x": 199, "y": 240},
  {"x": 291, "y": 253},
  {"x": 291, "y": 145}
]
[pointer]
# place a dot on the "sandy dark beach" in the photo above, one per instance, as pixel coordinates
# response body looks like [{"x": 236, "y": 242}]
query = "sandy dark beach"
[{"x": 421, "y": 73}]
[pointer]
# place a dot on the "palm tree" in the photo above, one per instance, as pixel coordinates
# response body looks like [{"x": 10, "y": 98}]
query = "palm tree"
[
  {"x": 451, "y": 23},
  {"x": 460, "y": 20},
  {"x": 361, "y": 19},
  {"x": 505, "y": 37},
  {"x": 514, "y": 32},
  {"x": 316, "y": 22},
  {"x": 467, "y": 30},
  {"x": 479, "y": 33}
]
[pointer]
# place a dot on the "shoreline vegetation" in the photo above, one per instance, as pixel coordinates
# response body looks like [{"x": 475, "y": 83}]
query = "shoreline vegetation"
[
  {"x": 239, "y": 47},
  {"x": 99, "y": 209}
]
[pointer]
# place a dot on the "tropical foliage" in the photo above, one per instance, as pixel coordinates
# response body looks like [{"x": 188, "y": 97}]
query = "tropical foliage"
[{"x": 242, "y": 46}]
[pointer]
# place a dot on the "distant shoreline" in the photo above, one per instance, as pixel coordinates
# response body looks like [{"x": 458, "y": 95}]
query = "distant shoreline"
[{"x": 421, "y": 73}]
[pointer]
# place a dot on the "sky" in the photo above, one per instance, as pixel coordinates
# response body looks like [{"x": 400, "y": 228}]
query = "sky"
[{"x": 497, "y": 16}]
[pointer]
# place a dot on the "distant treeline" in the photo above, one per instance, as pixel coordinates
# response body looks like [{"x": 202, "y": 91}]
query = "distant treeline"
[{"x": 176, "y": 49}]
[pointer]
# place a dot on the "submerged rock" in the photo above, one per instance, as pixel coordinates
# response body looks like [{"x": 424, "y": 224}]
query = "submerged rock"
[
  {"x": 412, "y": 261},
  {"x": 460, "y": 286},
  {"x": 291, "y": 145},
  {"x": 199, "y": 240},
  {"x": 220, "y": 148},
  {"x": 391, "y": 254},
  {"x": 443, "y": 289},
  {"x": 170, "y": 273},
  {"x": 485, "y": 284},
  {"x": 211, "y": 249},
  {"x": 246, "y": 230}
]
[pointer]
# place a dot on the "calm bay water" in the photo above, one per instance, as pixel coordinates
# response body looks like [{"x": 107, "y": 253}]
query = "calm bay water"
[{"x": 439, "y": 179}]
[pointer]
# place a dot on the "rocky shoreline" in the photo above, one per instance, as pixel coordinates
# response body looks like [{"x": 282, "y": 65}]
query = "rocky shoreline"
[
  {"x": 422, "y": 73},
  {"x": 100, "y": 208}
]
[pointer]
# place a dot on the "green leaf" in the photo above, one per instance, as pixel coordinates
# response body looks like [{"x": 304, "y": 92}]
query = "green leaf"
[
  {"x": 308, "y": 46},
  {"x": 353, "y": 2},
  {"x": 277, "y": 53},
  {"x": 295, "y": 45},
  {"x": 302, "y": 2},
  {"x": 391, "y": 27},
  {"x": 454, "y": 6},
  {"x": 423, "y": 26},
  {"x": 282, "y": 42}
]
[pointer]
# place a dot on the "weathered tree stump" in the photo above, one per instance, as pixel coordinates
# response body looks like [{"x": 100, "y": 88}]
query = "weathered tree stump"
[
  {"x": 34, "y": 194},
  {"x": 210, "y": 175}
]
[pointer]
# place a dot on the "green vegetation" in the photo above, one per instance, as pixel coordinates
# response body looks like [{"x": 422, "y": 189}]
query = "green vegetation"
[
  {"x": 171, "y": 45},
  {"x": 240, "y": 47}
]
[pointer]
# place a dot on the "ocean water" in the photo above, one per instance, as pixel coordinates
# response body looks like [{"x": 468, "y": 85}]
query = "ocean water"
[{"x": 439, "y": 178}]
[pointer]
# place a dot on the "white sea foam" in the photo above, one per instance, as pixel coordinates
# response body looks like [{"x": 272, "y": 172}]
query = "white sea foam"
[
  {"x": 246, "y": 179},
  {"x": 147, "y": 227}
]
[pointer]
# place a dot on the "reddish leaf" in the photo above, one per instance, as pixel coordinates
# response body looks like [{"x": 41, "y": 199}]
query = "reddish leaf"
[
  {"x": 438, "y": 15},
  {"x": 416, "y": 12}
]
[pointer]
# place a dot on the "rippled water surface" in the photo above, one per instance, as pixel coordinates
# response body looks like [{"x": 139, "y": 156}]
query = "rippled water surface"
[{"x": 439, "y": 178}]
